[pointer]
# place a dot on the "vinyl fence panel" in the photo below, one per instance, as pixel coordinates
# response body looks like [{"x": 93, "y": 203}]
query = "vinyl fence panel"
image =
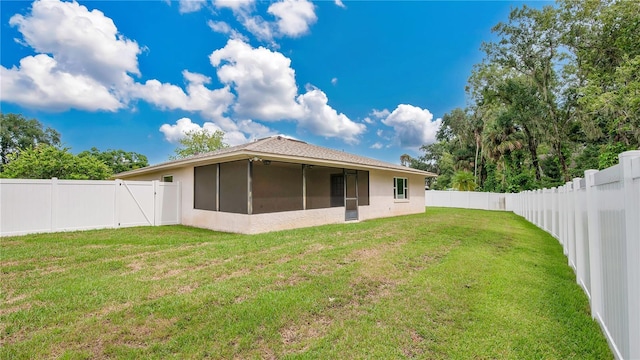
[{"x": 33, "y": 206}]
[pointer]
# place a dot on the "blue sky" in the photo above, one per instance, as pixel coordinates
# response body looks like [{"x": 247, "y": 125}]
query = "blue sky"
[{"x": 367, "y": 77}]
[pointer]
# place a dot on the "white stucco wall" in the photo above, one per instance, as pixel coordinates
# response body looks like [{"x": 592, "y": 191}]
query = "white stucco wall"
[
  {"x": 381, "y": 196},
  {"x": 382, "y": 204}
]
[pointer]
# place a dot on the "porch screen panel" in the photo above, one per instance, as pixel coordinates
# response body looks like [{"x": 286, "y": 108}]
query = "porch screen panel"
[
  {"x": 276, "y": 187},
  {"x": 204, "y": 187},
  {"x": 363, "y": 187},
  {"x": 233, "y": 186},
  {"x": 319, "y": 186}
]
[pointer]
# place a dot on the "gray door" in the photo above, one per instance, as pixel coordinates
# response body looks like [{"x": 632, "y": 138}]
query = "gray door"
[{"x": 351, "y": 194}]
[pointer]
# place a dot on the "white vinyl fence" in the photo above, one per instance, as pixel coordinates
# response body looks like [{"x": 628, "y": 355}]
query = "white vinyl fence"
[
  {"x": 35, "y": 206},
  {"x": 597, "y": 221},
  {"x": 468, "y": 200}
]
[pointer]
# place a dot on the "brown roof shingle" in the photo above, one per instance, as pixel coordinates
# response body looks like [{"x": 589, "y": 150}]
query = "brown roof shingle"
[{"x": 279, "y": 146}]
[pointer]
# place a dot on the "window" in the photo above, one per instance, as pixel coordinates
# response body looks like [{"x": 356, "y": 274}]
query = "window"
[
  {"x": 400, "y": 188},
  {"x": 167, "y": 178}
]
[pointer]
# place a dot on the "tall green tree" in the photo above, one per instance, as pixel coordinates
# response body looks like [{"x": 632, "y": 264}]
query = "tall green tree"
[
  {"x": 18, "y": 133},
  {"x": 199, "y": 142},
  {"x": 118, "y": 160},
  {"x": 604, "y": 37},
  {"x": 45, "y": 162},
  {"x": 530, "y": 43}
]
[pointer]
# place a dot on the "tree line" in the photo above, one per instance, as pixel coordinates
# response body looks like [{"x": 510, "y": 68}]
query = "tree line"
[
  {"x": 557, "y": 93},
  {"x": 28, "y": 150}
]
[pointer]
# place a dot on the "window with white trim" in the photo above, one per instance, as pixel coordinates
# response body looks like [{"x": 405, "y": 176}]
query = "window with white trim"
[
  {"x": 400, "y": 188},
  {"x": 167, "y": 178}
]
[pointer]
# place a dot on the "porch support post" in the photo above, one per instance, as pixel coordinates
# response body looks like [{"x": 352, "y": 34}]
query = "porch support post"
[
  {"x": 217, "y": 187},
  {"x": 304, "y": 187},
  {"x": 250, "y": 187}
]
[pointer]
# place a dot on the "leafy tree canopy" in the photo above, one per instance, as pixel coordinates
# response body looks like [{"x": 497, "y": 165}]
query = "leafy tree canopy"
[
  {"x": 198, "y": 142},
  {"x": 45, "y": 162},
  {"x": 18, "y": 133},
  {"x": 118, "y": 160}
]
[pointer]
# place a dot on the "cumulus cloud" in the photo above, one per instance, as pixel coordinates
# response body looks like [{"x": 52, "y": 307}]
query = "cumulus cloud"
[
  {"x": 294, "y": 16},
  {"x": 413, "y": 126},
  {"x": 88, "y": 66},
  {"x": 235, "y": 5},
  {"x": 81, "y": 41},
  {"x": 377, "y": 146},
  {"x": 322, "y": 119},
  {"x": 211, "y": 104},
  {"x": 39, "y": 83},
  {"x": 174, "y": 132},
  {"x": 369, "y": 120},
  {"x": 340, "y": 3},
  {"x": 263, "y": 79},
  {"x": 334, "y": 81},
  {"x": 380, "y": 114},
  {"x": 187, "y": 6},
  {"x": 224, "y": 28},
  {"x": 265, "y": 85}
]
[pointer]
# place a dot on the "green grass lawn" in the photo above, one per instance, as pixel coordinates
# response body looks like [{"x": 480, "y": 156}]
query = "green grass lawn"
[{"x": 449, "y": 283}]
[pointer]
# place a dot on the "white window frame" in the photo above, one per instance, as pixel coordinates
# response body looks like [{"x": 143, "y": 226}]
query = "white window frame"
[
  {"x": 166, "y": 178},
  {"x": 405, "y": 188}
]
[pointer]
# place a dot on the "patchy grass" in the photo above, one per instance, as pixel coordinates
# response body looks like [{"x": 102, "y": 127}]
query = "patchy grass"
[{"x": 449, "y": 283}]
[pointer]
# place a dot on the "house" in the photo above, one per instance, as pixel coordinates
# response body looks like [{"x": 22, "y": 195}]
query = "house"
[{"x": 278, "y": 183}]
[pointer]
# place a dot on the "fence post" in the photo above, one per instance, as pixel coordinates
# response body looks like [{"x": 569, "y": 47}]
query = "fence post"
[
  {"x": 561, "y": 222},
  {"x": 116, "y": 202},
  {"x": 543, "y": 196},
  {"x": 554, "y": 212},
  {"x": 632, "y": 242},
  {"x": 595, "y": 258},
  {"x": 578, "y": 233},
  {"x": 54, "y": 204},
  {"x": 571, "y": 225},
  {"x": 154, "y": 188}
]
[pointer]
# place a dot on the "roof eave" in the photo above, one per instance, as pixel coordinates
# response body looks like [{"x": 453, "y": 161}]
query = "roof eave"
[{"x": 247, "y": 154}]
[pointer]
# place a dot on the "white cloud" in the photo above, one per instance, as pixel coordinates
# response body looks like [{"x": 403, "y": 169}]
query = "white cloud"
[
  {"x": 224, "y": 28},
  {"x": 266, "y": 90},
  {"x": 256, "y": 25},
  {"x": 89, "y": 63},
  {"x": 379, "y": 132},
  {"x": 340, "y": 3},
  {"x": 322, "y": 119},
  {"x": 334, "y": 81},
  {"x": 234, "y": 5},
  {"x": 294, "y": 16},
  {"x": 187, "y": 6},
  {"x": 413, "y": 126},
  {"x": 219, "y": 26},
  {"x": 369, "y": 120},
  {"x": 81, "y": 41},
  {"x": 380, "y": 114},
  {"x": 377, "y": 146},
  {"x": 39, "y": 83},
  {"x": 263, "y": 80},
  {"x": 173, "y": 133},
  {"x": 211, "y": 104}
]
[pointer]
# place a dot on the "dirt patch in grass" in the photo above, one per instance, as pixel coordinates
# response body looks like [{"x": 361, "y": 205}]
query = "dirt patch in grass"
[{"x": 298, "y": 337}]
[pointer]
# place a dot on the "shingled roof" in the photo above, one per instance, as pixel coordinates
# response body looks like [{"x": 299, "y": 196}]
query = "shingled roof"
[{"x": 280, "y": 148}]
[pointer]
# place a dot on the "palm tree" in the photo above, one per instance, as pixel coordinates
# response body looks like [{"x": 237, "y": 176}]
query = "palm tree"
[{"x": 463, "y": 181}]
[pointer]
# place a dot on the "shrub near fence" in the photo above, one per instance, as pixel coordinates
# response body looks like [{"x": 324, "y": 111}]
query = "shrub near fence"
[
  {"x": 597, "y": 221},
  {"x": 33, "y": 206}
]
